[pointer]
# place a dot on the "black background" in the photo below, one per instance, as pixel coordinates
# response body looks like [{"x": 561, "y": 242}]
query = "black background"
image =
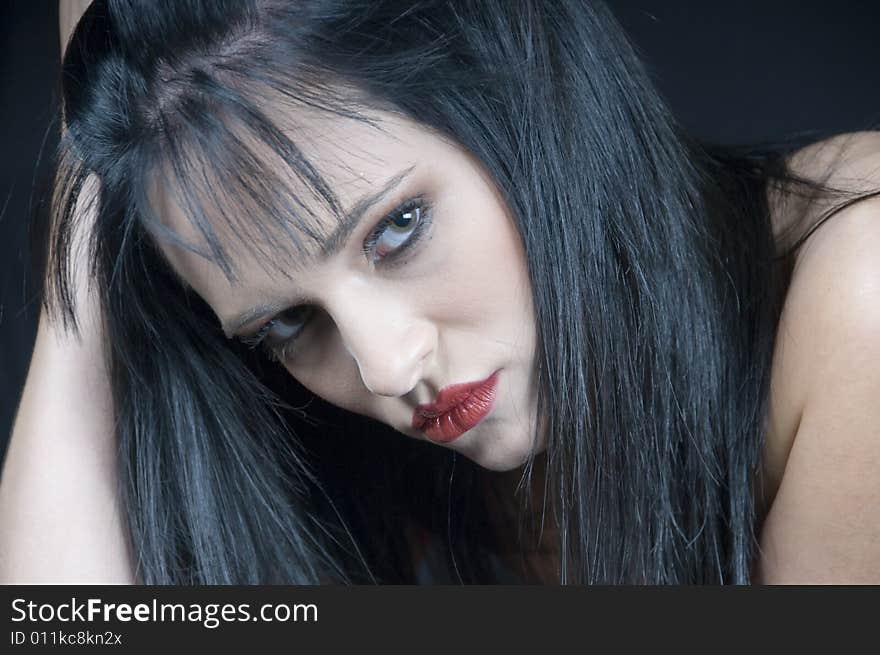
[{"x": 732, "y": 72}]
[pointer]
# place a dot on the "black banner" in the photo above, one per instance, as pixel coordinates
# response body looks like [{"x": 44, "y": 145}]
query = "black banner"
[{"x": 331, "y": 618}]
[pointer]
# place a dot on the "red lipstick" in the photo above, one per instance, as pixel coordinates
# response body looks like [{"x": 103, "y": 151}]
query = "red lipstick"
[{"x": 458, "y": 408}]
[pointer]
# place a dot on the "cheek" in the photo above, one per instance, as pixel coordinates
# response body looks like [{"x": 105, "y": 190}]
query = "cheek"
[
  {"x": 330, "y": 373},
  {"x": 484, "y": 278}
]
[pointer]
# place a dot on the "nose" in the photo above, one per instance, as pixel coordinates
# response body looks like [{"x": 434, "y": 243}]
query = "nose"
[{"x": 390, "y": 343}]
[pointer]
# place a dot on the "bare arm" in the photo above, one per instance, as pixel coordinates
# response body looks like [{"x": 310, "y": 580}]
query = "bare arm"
[
  {"x": 69, "y": 12},
  {"x": 60, "y": 519}
]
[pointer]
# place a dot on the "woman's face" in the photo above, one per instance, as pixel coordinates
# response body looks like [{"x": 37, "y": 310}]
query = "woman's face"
[{"x": 440, "y": 296}]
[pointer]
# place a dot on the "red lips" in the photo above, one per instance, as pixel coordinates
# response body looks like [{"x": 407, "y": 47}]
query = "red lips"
[{"x": 458, "y": 408}]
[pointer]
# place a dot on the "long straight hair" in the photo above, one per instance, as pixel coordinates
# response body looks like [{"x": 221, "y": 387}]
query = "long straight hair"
[{"x": 657, "y": 288}]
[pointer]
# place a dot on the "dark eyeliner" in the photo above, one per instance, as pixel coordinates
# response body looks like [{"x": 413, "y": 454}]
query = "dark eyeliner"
[
  {"x": 256, "y": 340},
  {"x": 424, "y": 221},
  {"x": 277, "y": 352},
  {"x": 259, "y": 340}
]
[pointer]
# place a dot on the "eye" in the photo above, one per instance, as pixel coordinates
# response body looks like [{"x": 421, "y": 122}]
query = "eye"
[
  {"x": 278, "y": 336},
  {"x": 398, "y": 232},
  {"x": 395, "y": 235}
]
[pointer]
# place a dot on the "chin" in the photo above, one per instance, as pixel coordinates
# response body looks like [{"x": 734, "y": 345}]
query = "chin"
[{"x": 503, "y": 454}]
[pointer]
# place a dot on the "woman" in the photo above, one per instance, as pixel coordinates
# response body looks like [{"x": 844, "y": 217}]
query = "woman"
[{"x": 310, "y": 222}]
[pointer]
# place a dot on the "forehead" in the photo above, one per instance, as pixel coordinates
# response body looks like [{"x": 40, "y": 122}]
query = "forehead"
[{"x": 257, "y": 207}]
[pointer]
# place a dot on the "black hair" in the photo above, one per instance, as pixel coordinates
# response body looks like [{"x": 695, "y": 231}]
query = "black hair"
[{"x": 657, "y": 287}]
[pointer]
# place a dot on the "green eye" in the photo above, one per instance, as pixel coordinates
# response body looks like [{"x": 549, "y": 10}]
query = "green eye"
[
  {"x": 396, "y": 230},
  {"x": 404, "y": 221}
]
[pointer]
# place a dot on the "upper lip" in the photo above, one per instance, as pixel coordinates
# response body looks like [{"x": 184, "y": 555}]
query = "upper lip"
[{"x": 449, "y": 397}]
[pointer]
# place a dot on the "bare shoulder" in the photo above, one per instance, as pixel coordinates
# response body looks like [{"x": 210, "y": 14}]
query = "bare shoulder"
[
  {"x": 822, "y": 456},
  {"x": 849, "y": 162},
  {"x": 853, "y": 154}
]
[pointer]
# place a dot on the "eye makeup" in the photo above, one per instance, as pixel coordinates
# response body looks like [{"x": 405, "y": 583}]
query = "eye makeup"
[
  {"x": 405, "y": 225},
  {"x": 394, "y": 237}
]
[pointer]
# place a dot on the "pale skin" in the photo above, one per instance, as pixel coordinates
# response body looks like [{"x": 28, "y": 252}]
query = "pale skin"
[
  {"x": 387, "y": 334},
  {"x": 61, "y": 520},
  {"x": 822, "y": 454},
  {"x": 381, "y": 348},
  {"x": 820, "y": 500}
]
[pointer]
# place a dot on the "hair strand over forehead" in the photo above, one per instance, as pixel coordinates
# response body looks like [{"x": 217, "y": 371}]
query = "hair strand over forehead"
[{"x": 656, "y": 282}]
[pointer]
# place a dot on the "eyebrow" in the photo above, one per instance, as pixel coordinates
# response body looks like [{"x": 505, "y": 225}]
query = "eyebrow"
[{"x": 340, "y": 236}]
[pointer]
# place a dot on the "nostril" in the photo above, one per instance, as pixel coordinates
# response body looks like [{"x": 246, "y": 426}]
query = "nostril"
[
  {"x": 390, "y": 381},
  {"x": 392, "y": 352}
]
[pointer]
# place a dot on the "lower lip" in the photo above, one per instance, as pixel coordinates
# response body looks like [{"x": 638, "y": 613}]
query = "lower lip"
[{"x": 464, "y": 416}]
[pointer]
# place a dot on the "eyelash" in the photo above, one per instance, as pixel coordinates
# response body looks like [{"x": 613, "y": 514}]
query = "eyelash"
[
  {"x": 281, "y": 351},
  {"x": 423, "y": 221}
]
